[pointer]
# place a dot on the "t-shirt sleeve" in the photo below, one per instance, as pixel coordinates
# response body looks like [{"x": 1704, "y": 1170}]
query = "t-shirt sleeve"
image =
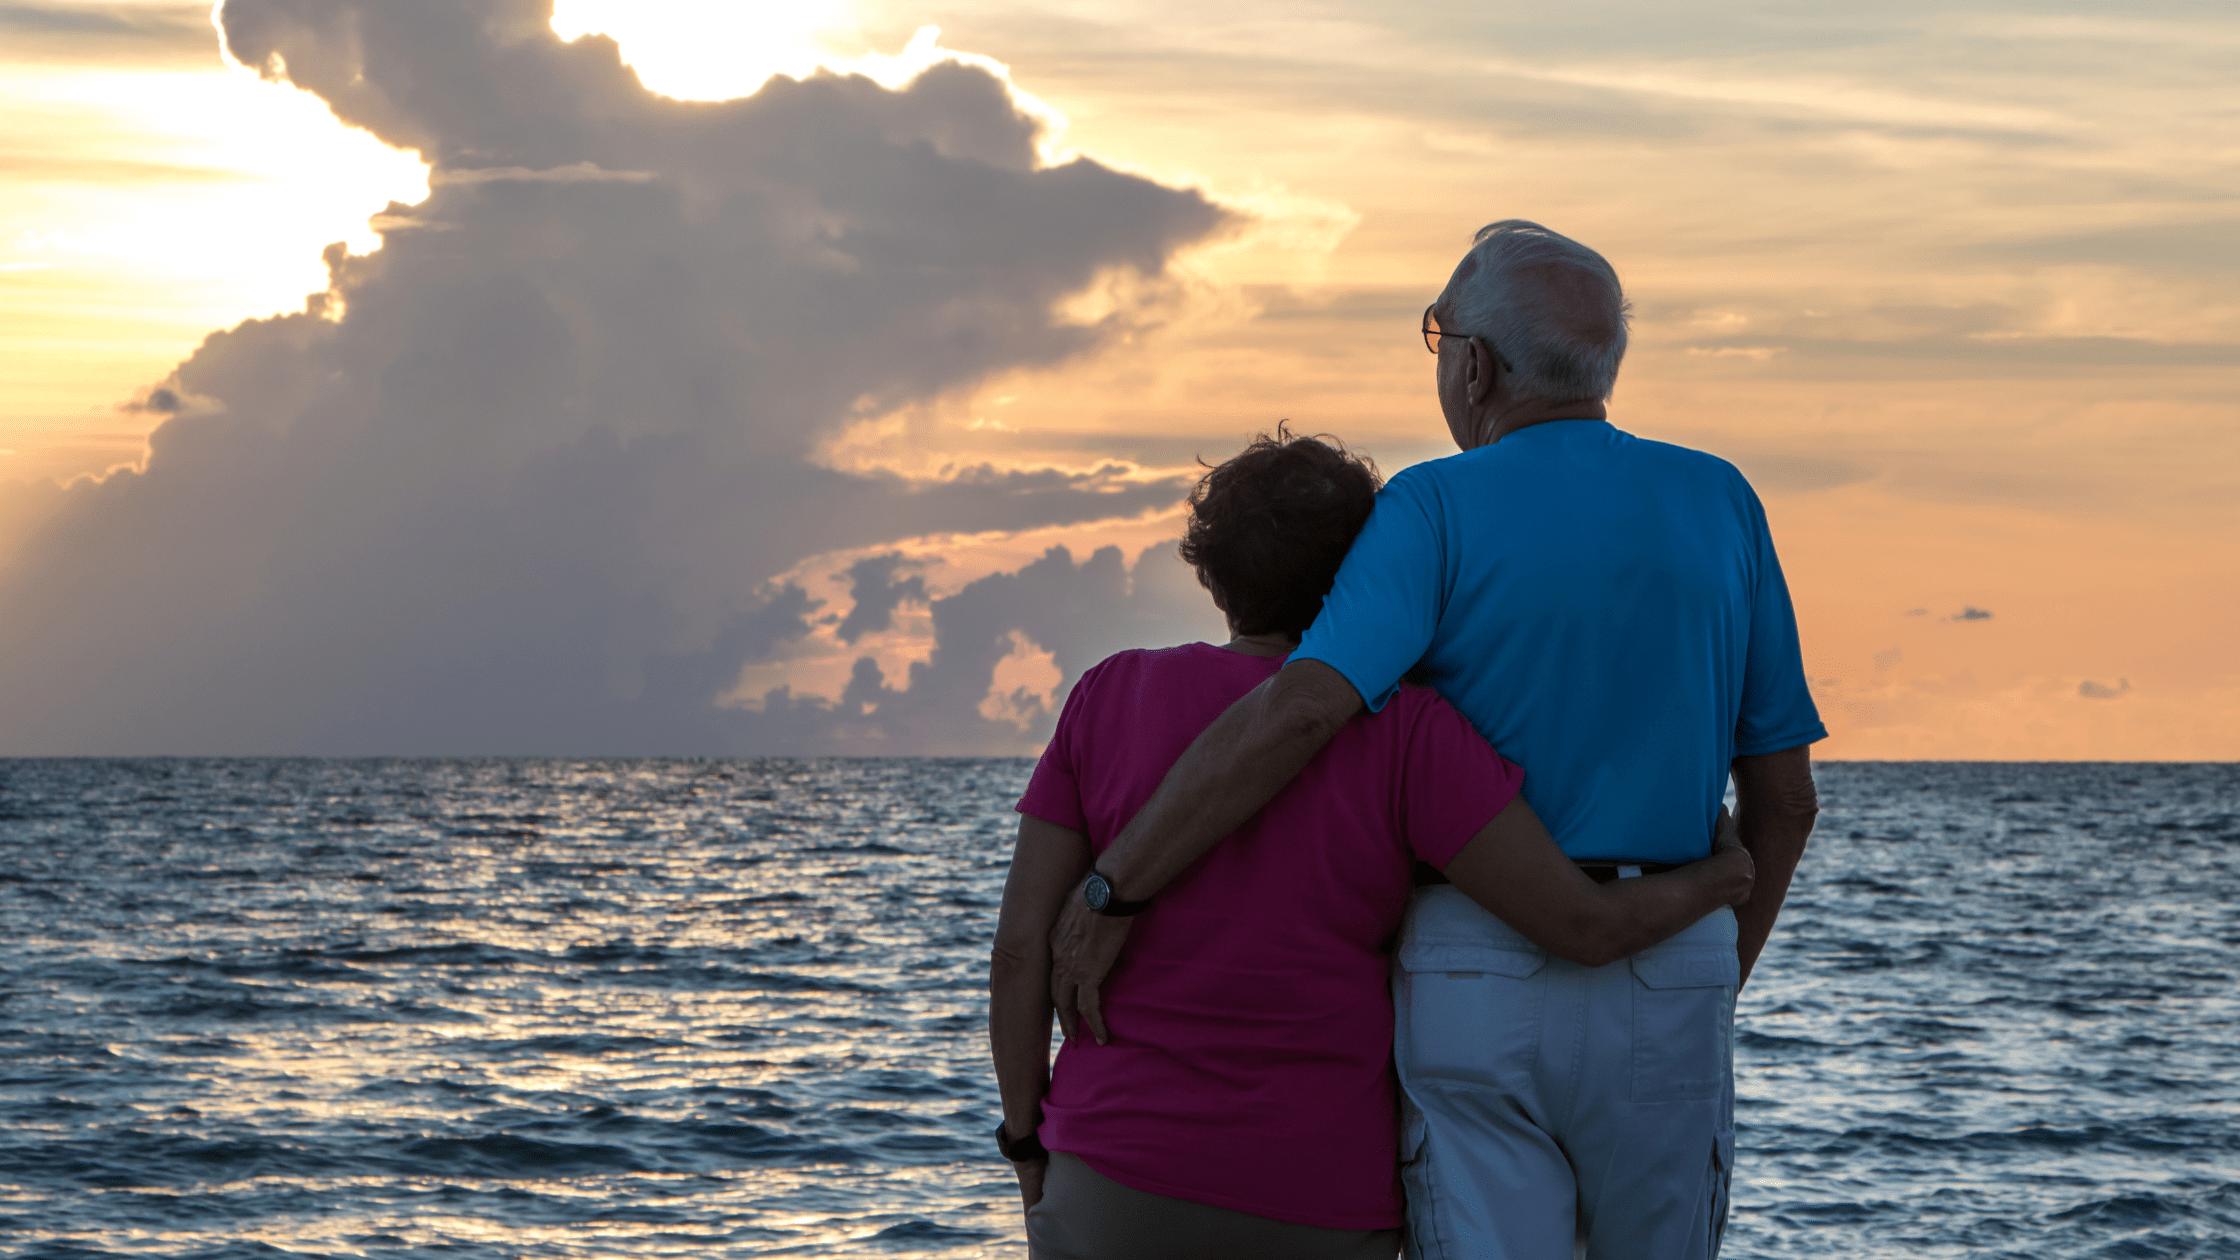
[
  {"x": 1453, "y": 782},
  {"x": 1054, "y": 792},
  {"x": 1777, "y": 711},
  {"x": 1378, "y": 618}
]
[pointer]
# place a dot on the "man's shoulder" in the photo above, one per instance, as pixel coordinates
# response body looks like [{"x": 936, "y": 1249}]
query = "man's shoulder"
[
  {"x": 1434, "y": 481},
  {"x": 1700, "y": 478},
  {"x": 1426, "y": 475},
  {"x": 1521, "y": 464},
  {"x": 1687, "y": 458}
]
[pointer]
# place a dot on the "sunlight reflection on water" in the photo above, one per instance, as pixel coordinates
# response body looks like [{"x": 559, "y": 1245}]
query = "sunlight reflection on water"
[{"x": 589, "y": 1009}]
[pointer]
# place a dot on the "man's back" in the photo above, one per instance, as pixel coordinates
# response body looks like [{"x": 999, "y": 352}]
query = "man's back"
[{"x": 1608, "y": 612}]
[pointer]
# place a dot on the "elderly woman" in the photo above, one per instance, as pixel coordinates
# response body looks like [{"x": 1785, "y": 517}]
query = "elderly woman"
[{"x": 1243, "y": 1102}]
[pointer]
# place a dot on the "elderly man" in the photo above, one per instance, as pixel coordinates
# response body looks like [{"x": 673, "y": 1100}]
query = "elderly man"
[{"x": 1610, "y": 614}]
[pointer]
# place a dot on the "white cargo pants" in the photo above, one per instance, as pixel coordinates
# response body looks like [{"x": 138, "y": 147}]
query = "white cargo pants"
[{"x": 1551, "y": 1109}]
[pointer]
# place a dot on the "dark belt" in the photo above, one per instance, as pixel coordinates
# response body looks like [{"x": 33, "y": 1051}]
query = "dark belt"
[
  {"x": 1600, "y": 870},
  {"x": 1603, "y": 872}
]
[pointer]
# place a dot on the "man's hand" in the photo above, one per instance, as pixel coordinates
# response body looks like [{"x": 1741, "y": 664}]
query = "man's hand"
[
  {"x": 1031, "y": 1172},
  {"x": 1083, "y": 947}
]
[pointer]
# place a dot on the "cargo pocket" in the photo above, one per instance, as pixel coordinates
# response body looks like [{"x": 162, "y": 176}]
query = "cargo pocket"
[
  {"x": 1472, "y": 1011},
  {"x": 1683, "y": 1015},
  {"x": 1415, "y": 1178}
]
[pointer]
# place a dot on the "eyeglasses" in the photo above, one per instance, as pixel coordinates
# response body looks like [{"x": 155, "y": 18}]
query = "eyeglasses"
[{"x": 1432, "y": 333}]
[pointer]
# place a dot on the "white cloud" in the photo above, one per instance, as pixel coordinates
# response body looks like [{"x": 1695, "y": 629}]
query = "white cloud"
[{"x": 521, "y": 481}]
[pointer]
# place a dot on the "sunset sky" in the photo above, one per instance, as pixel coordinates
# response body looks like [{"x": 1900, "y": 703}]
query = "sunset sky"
[{"x": 626, "y": 421}]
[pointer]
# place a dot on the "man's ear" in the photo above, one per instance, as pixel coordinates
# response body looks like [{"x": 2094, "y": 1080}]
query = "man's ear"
[{"x": 1484, "y": 369}]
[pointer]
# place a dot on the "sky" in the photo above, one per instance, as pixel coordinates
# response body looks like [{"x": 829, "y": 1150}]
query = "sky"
[{"x": 393, "y": 376}]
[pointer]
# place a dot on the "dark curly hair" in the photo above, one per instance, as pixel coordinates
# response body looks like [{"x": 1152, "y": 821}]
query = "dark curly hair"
[{"x": 1269, "y": 527}]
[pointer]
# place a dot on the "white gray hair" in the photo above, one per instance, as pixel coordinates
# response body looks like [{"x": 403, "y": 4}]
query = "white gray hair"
[{"x": 1554, "y": 349}]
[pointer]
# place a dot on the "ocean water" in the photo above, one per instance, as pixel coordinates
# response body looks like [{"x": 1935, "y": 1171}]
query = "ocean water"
[{"x": 578, "y": 1009}]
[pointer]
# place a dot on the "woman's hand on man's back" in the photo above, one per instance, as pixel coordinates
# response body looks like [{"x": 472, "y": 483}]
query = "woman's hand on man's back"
[{"x": 1735, "y": 868}]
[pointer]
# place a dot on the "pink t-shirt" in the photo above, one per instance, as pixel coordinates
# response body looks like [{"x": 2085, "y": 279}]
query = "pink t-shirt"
[{"x": 1250, "y": 1065}]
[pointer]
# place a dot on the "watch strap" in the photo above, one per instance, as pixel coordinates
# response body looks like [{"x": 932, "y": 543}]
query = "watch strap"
[
  {"x": 1025, "y": 1150},
  {"x": 1113, "y": 907}
]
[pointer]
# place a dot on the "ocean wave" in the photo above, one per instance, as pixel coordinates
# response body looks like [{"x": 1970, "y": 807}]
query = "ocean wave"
[{"x": 565, "y": 1008}]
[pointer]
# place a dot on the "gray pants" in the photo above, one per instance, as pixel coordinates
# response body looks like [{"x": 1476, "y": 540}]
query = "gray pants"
[
  {"x": 1085, "y": 1215},
  {"x": 1550, "y": 1106}
]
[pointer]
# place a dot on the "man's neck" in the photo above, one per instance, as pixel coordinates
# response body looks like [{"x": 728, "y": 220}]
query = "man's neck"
[{"x": 1526, "y": 415}]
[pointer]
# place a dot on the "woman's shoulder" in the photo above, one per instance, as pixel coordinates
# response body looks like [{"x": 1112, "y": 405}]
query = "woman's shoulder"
[
  {"x": 1151, "y": 665},
  {"x": 1180, "y": 656}
]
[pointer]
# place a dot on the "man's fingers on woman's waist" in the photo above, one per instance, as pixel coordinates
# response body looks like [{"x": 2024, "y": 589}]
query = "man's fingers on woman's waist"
[
  {"x": 1061, "y": 997},
  {"x": 1092, "y": 1011}
]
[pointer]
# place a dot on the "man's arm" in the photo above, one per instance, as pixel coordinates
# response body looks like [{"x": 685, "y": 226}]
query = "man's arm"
[
  {"x": 1775, "y": 804},
  {"x": 1234, "y": 767}
]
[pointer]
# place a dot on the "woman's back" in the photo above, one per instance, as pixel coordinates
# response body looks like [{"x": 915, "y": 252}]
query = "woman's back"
[{"x": 1251, "y": 1028}]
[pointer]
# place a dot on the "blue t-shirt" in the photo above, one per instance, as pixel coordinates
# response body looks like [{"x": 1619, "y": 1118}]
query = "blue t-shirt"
[{"x": 1607, "y": 611}]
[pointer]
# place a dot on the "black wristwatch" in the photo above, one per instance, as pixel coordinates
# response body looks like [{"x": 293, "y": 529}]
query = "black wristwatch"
[
  {"x": 1097, "y": 891},
  {"x": 1024, "y": 1151}
]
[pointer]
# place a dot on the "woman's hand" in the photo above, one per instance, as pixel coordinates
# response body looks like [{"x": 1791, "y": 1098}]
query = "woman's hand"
[
  {"x": 1030, "y": 1173},
  {"x": 1730, "y": 863}
]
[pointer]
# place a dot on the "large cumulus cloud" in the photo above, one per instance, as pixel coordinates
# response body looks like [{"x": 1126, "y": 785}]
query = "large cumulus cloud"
[{"x": 519, "y": 480}]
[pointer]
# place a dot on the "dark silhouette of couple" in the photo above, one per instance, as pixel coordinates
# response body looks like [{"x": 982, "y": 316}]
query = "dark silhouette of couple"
[{"x": 1411, "y": 916}]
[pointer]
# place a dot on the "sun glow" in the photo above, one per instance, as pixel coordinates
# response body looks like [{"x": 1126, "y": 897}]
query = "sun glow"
[
  {"x": 702, "y": 51},
  {"x": 695, "y": 50},
  {"x": 147, "y": 208}
]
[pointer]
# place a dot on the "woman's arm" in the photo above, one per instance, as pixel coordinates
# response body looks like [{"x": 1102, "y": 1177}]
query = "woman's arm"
[
  {"x": 1046, "y": 863},
  {"x": 1513, "y": 868}
]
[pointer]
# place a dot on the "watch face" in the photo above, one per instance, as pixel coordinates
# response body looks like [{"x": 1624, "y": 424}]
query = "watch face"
[{"x": 1096, "y": 892}]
